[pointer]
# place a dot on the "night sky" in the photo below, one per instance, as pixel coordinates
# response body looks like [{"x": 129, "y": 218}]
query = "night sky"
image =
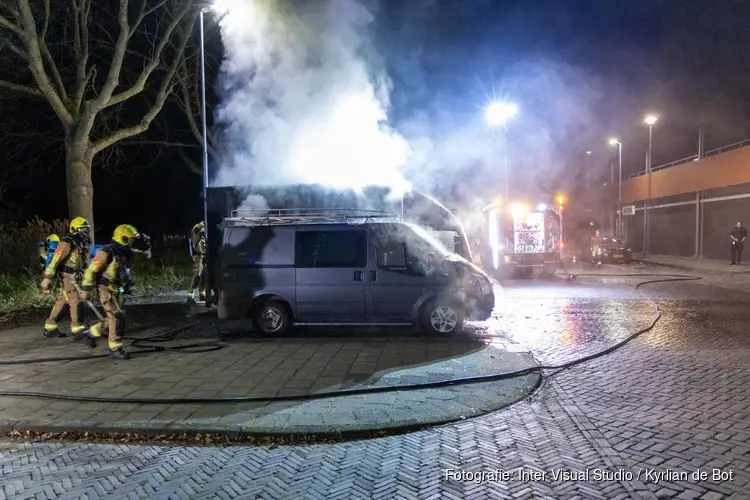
[{"x": 686, "y": 61}]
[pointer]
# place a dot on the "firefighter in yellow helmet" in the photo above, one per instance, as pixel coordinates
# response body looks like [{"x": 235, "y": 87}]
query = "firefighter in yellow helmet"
[
  {"x": 45, "y": 248},
  {"x": 199, "y": 263},
  {"x": 109, "y": 272},
  {"x": 66, "y": 264},
  {"x": 46, "y": 251}
]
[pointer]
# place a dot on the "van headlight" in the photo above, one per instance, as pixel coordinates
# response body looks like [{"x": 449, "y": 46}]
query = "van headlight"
[{"x": 482, "y": 285}]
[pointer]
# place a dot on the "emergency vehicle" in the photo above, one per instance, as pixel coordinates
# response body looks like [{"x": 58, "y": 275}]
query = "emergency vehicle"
[{"x": 523, "y": 235}]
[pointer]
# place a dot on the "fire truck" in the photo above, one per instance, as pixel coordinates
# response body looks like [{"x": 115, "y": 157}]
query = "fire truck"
[{"x": 523, "y": 236}]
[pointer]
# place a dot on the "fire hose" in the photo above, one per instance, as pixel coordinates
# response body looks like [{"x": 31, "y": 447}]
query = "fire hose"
[{"x": 213, "y": 346}]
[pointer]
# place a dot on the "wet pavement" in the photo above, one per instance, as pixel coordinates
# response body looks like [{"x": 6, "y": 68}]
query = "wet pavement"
[
  {"x": 228, "y": 362},
  {"x": 666, "y": 416}
]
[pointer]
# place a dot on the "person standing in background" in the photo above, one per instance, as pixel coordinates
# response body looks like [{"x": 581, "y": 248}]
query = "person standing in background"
[{"x": 738, "y": 236}]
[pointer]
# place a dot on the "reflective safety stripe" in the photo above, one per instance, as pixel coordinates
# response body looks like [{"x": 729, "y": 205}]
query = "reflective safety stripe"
[
  {"x": 115, "y": 345},
  {"x": 96, "y": 330}
]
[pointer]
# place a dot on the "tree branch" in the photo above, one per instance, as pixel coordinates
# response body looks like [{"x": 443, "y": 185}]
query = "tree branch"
[
  {"x": 5, "y": 23},
  {"x": 188, "y": 108},
  {"x": 161, "y": 97},
  {"x": 36, "y": 64},
  {"x": 193, "y": 166},
  {"x": 81, "y": 52},
  {"x": 196, "y": 74},
  {"x": 20, "y": 88},
  {"x": 113, "y": 76},
  {"x": 165, "y": 144},
  {"x": 143, "y": 12},
  {"x": 154, "y": 61},
  {"x": 48, "y": 56}
]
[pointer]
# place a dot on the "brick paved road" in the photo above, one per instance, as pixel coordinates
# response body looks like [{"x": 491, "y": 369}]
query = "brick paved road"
[{"x": 676, "y": 399}]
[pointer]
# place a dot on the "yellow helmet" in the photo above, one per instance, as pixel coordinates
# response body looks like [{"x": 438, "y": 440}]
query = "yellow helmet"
[
  {"x": 78, "y": 224},
  {"x": 51, "y": 238},
  {"x": 199, "y": 227},
  {"x": 125, "y": 234}
]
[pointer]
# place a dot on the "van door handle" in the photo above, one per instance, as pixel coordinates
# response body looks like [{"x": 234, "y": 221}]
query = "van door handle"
[
  {"x": 358, "y": 275},
  {"x": 373, "y": 275}
]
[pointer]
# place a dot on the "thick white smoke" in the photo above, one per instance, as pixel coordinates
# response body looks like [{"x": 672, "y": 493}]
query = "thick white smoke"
[
  {"x": 300, "y": 102},
  {"x": 256, "y": 203}
]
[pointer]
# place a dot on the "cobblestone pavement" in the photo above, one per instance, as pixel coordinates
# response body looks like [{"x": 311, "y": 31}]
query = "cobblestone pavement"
[
  {"x": 246, "y": 367},
  {"x": 640, "y": 422}
]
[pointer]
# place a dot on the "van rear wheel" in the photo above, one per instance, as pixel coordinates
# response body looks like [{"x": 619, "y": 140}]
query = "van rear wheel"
[
  {"x": 272, "y": 318},
  {"x": 442, "y": 317}
]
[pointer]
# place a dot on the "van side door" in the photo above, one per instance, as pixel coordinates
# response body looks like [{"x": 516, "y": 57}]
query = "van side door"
[
  {"x": 394, "y": 284},
  {"x": 330, "y": 265}
]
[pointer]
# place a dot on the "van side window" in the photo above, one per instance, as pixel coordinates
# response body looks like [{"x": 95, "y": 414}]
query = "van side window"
[
  {"x": 391, "y": 254},
  {"x": 330, "y": 249}
]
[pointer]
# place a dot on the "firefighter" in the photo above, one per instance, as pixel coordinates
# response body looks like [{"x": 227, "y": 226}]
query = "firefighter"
[
  {"x": 109, "y": 272},
  {"x": 46, "y": 251},
  {"x": 596, "y": 248},
  {"x": 199, "y": 263},
  {"x": 66, "y": 263},
  {"x": 49, "y": 245}
]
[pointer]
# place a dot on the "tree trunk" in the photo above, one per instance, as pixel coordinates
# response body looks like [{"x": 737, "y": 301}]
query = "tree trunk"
[{"x": 78, "y": 180}]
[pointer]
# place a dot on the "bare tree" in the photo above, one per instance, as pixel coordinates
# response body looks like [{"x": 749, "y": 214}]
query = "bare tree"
[
  {"x": 61, "y": 48},
  {"x": 187, "y": 137}
]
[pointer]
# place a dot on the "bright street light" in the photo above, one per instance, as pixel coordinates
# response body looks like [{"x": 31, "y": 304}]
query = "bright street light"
[
  {"x": 650, "y": 119},
  {"x": 498, "y": 113},
  {"x": 613, "y": 141}
]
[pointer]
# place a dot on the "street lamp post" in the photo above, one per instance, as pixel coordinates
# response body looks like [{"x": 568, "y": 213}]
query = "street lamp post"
[
  {"x": 499, "y": 113},
  {"x": 649, "y": 120},
  {"x": 587, "y": 176},
  {"x": 613, "y": 142},
  {"x": 205, "y": 162}
]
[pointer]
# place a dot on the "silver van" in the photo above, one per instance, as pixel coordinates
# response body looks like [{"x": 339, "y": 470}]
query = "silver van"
[{"x": 284, "y": 268}]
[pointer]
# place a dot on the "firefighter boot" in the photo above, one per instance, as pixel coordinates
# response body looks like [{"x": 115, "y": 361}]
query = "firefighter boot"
[
  {"x": 118, "y": 354},
  {"x": 91, "y": 334},
  {"x": 81, "y": 335},
  {"x": 51, "y": 331}
]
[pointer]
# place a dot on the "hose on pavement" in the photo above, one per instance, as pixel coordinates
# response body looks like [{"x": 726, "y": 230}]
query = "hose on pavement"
[{"x": 168, "y": 335}]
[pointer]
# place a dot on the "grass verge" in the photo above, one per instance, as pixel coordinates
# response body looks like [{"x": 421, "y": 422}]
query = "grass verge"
[{"x": 22, "y": 294}]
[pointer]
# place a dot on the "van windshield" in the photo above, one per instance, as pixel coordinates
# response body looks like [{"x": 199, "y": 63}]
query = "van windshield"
[{"x": 434, "y": 243}]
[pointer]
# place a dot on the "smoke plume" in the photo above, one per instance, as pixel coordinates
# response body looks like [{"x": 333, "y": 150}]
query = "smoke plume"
[{"x": 304, "y": 101}]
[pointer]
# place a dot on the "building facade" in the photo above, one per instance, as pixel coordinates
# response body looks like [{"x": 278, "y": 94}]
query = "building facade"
[{"x": 688, "y": 208}]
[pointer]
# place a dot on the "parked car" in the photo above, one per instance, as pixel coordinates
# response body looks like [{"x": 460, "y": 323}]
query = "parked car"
[
  {"x": 616, "y": 251},
  {"x": 284, "y": 269}
]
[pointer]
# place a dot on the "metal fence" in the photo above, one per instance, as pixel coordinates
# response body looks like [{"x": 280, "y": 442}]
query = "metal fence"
[{"x": 695, "y": 157}]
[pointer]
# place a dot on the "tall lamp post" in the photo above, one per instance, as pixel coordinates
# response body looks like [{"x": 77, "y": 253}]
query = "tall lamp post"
[
  {"x": 205, "y": 160},
  {"x": 616, "y": 142},
  {"x": 649, "y": 120},
  {"x": 588, "y": 175},
  {"x": 499, "y": 113}
]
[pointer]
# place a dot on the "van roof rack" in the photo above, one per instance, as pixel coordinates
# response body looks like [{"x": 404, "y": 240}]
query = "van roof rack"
[{"x": 308, "y": 216}]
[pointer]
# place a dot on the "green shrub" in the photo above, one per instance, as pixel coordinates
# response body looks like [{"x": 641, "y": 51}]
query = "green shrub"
[
  {"x": 22, "y": 293},
  {"x": 20, "y": 275},
  {"x": 18, "y": 244}
]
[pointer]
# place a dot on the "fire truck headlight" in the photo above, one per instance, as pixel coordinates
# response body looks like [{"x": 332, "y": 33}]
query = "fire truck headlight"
[
  {"x": 518, "y": 210},
  {"x": 541, "y": 207}
]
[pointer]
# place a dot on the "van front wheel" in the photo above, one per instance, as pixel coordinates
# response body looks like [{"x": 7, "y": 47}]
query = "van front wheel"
[
  {"x": 442, "y": 318},
  {"x": 271, "y": 318}
]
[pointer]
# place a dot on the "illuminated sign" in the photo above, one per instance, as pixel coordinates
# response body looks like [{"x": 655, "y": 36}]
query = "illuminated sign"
[{"x": 529, "y": 233}]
